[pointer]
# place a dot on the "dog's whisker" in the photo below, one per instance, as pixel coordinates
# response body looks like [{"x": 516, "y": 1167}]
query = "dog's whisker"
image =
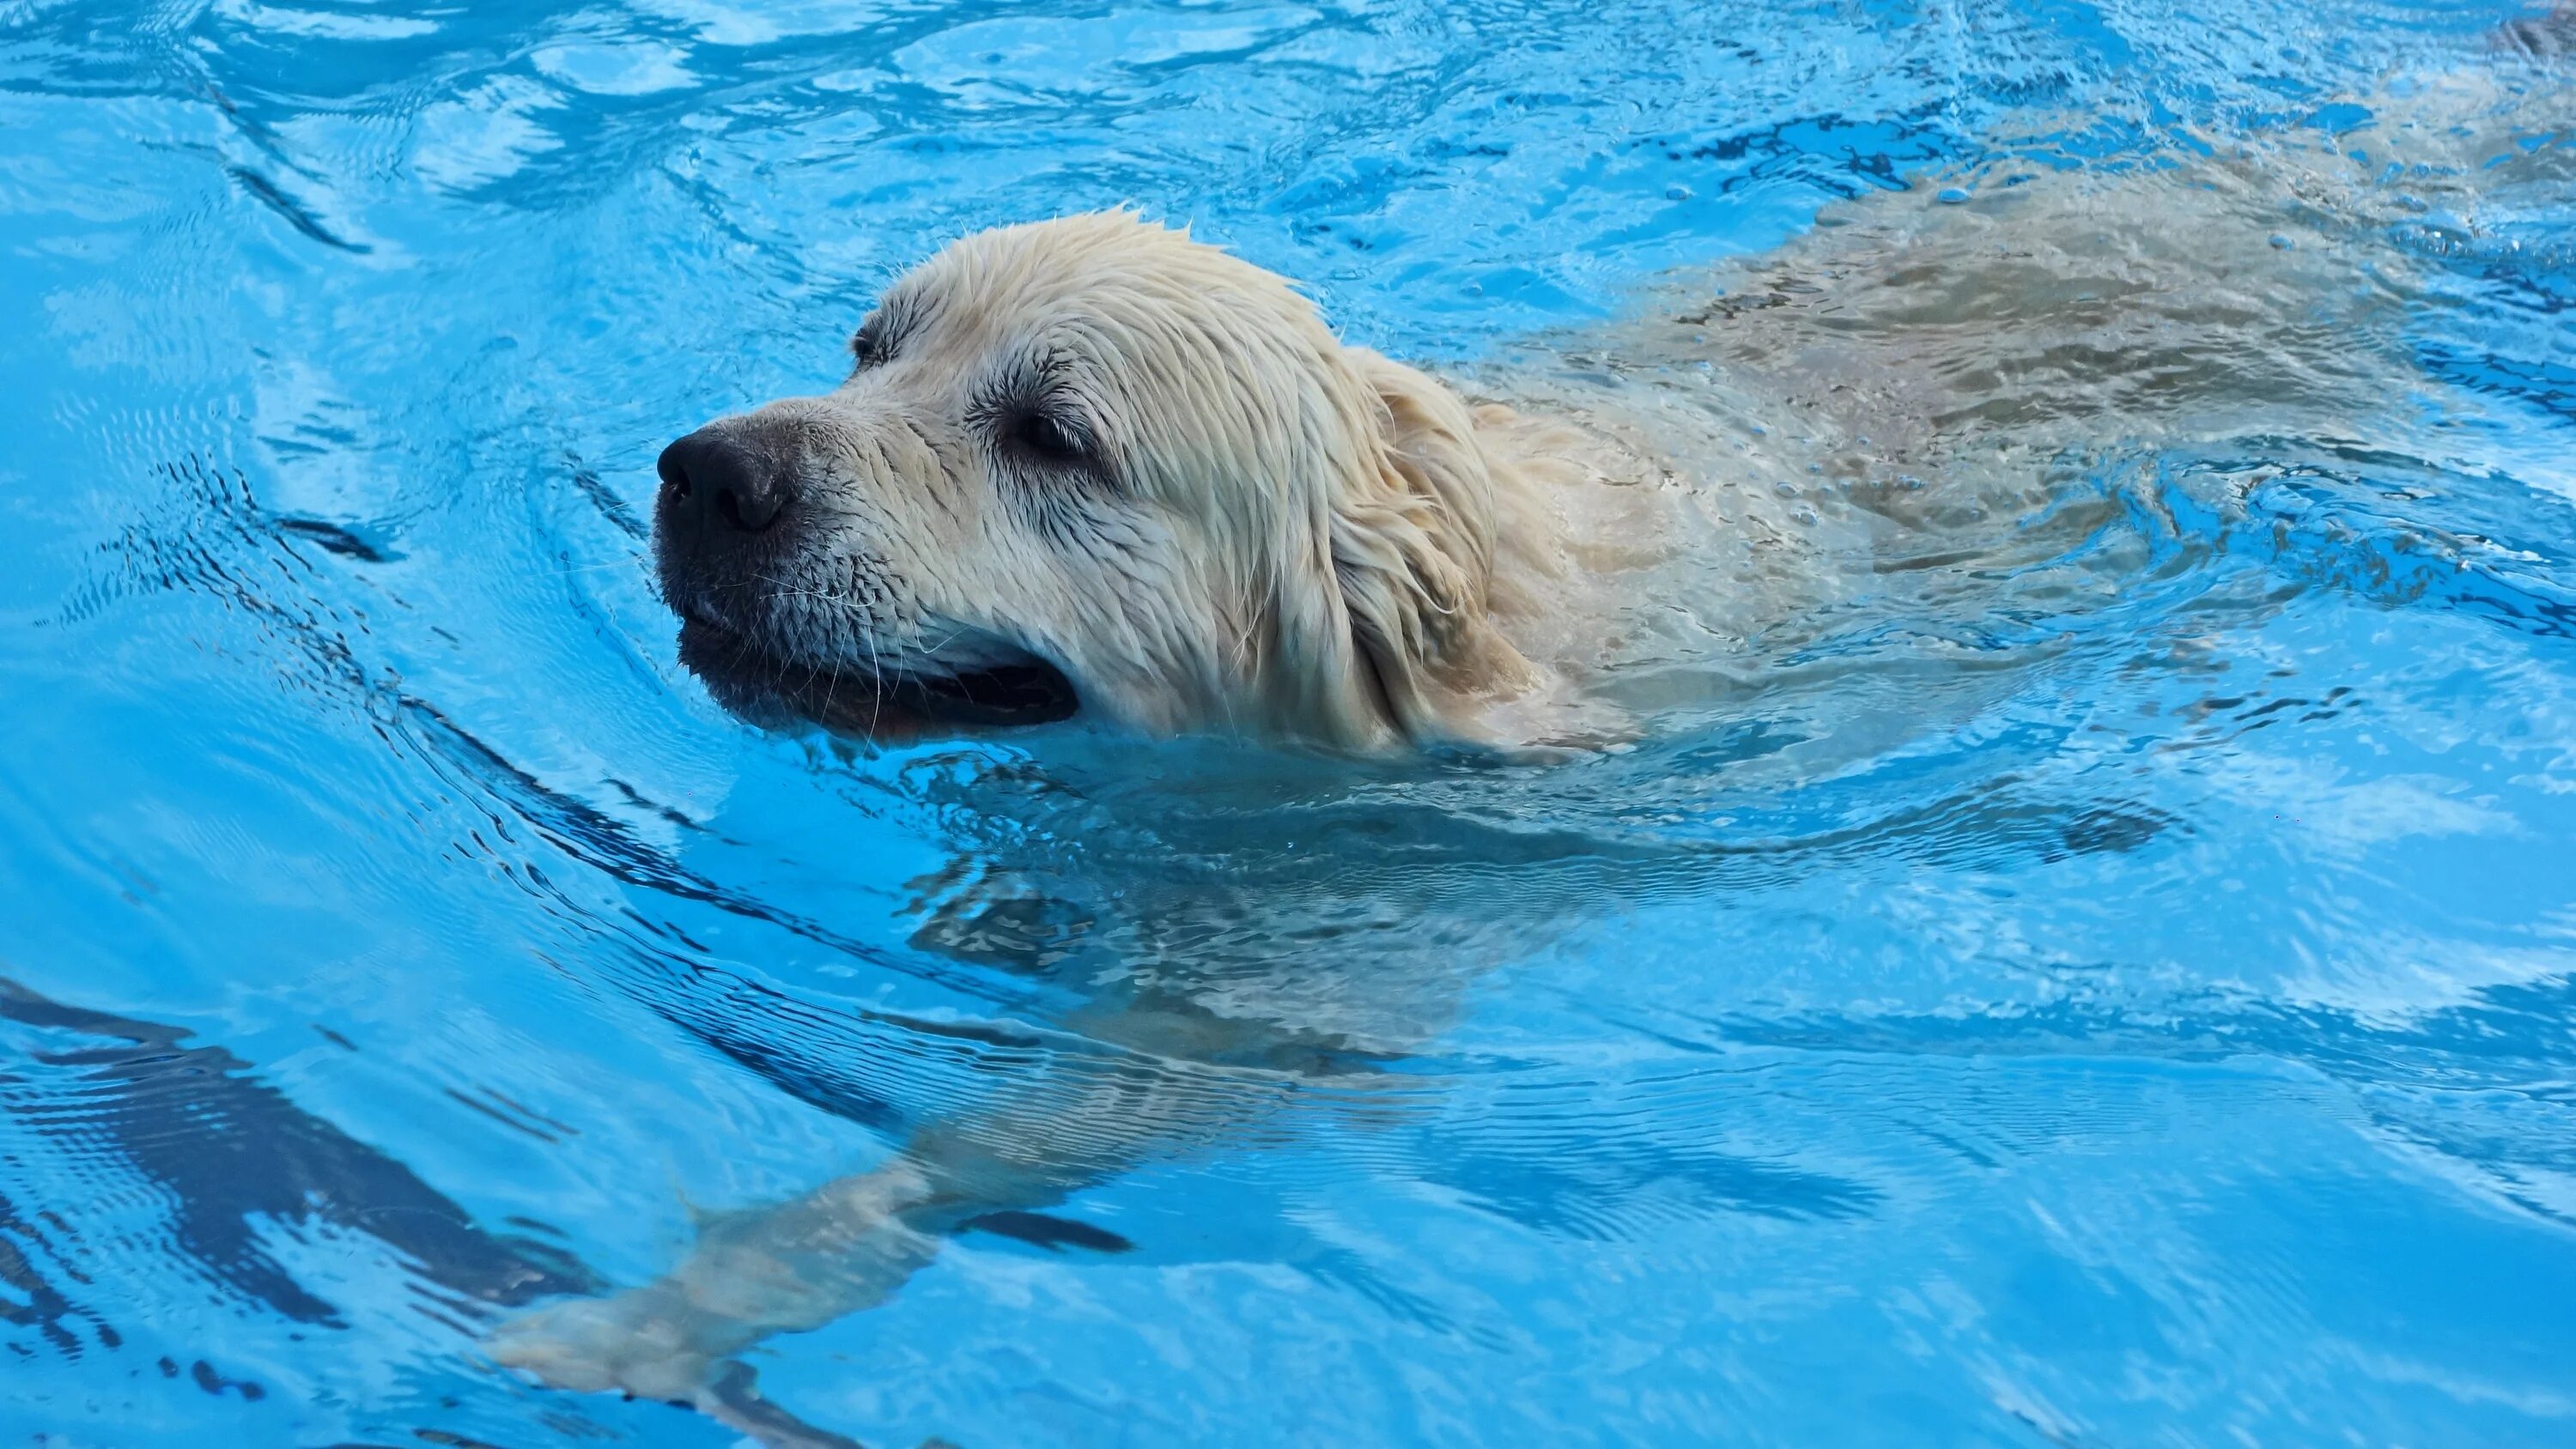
[{"x": 876, "y": 691}]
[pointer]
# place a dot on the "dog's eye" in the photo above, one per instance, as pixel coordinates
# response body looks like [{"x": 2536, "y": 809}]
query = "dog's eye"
[
  {"x": 1046, "y": 438},
  {"x": 874, "y": 341}
]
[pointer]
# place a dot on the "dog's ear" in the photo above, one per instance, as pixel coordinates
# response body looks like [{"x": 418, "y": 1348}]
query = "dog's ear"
[{"x": 1413, "y": 539}]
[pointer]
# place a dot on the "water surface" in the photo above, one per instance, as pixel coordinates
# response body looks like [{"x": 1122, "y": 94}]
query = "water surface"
[{"x": 2099, "y": 969}]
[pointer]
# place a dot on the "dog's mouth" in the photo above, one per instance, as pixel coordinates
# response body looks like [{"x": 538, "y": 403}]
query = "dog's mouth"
[{"x": 1004, "y": 685}]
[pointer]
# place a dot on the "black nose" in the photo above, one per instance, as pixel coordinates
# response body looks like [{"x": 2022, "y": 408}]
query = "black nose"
[{"x": 716, "y": 482}]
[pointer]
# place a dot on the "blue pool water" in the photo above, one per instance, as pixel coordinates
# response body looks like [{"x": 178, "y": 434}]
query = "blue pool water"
[{"x": 2112, "y": 980}]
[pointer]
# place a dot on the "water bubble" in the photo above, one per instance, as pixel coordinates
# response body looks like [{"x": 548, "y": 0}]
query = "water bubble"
[{"x": 1952, "y": 196}]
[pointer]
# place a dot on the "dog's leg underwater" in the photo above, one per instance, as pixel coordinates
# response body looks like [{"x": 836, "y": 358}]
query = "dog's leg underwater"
[{"x": 851, "y": 1243}]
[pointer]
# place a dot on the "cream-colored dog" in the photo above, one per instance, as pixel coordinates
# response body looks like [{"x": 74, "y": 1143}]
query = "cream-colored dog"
[{"x": 1093, "y": 466}]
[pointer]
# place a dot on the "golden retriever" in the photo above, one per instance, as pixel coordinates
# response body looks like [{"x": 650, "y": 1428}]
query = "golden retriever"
[{"x": 1092, "y": 466}]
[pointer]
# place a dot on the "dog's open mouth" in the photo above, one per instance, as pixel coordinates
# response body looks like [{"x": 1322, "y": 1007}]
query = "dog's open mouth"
[{"x": 1005, "y": 685}]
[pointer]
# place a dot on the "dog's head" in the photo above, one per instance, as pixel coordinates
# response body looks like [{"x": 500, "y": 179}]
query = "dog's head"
[{"x": 1091, "y": 465}]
